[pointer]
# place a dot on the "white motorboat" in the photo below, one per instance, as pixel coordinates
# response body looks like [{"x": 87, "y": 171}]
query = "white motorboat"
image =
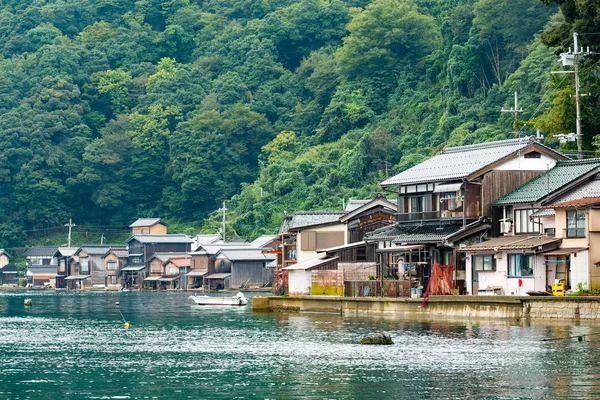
[{"x": 238, "y": 300}]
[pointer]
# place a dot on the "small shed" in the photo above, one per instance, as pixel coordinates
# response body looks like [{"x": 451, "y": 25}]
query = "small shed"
[{"x": 300, "y": 274}]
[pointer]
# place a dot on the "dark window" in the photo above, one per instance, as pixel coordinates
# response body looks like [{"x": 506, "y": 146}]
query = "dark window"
[
  {"x": 533, "y": 154},
  {"x": 521, "y": 265},
  {"x": 416, "y": 204},
  {"x": 575, "y": 223}
]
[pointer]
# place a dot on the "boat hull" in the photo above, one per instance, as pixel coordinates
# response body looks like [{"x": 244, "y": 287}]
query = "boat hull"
[{"x": 237, "y": 300}]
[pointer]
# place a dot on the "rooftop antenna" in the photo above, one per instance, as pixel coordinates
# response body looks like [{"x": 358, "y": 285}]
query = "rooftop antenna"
[{"x": 516, "y": 111}]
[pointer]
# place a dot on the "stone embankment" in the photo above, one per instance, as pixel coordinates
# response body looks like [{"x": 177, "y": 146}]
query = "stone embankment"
[{"x": 495, "y": 307}]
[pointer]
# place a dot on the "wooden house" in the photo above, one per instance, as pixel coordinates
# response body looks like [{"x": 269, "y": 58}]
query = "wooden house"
[
  {"x": 162, "y": 273},
  {"x": 91, "y": 262},
  {"x": 41, "y": 255},
  {"x": 142, "y": 247},
  {"x": 148, "y": 226},
  {"x": 41, "y": 275},
  {"x": 444, "y": 203},
  {"x": 364, "y": 216},
  {"x": 114, "y": 260},
  {"x": 202, "y": 265},
  {"x": 64, "y": 257},
  {"x": 4, "y": 258},
  {"x": 9, "y": 274},
  {"x": 560, "y": 203},
  {"x": 306, "y": 232}
]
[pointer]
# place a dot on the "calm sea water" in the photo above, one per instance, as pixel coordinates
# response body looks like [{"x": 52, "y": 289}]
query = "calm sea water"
[{"x": 74, "y": 346}]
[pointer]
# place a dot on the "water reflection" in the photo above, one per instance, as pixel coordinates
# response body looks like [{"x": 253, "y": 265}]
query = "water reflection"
[{"x": 73, "y": 345}]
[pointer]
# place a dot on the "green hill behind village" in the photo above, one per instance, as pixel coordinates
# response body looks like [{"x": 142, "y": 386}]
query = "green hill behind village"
[{"x": 112, "y": 110}]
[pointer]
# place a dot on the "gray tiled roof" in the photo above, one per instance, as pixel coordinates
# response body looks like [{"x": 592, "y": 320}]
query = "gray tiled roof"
[
  {"x": 66, "y": 251},
  {"x": 263, "y": 240},
  {"x": 40, "y": 251},
  {"x": 118, "y": 252},
  {"x": 354, "y": 204},
  {"x": 171, "y": 238},
  {"x": 98, "y": 250},
  {"x": 303, "y": 219},
  {"x": 459, "y": 162},
  {"x": 164, "y": 256},
  {"x": 141, "y": 222},
  {"x": 243, "y": 254},
  {"x": 551, "y": 181},
  {"x": 215, "y": 248},
  {"x": 426, "y": 232},
  {"x": 40, "y": 269},
  {"x": 2, "y": 251}
]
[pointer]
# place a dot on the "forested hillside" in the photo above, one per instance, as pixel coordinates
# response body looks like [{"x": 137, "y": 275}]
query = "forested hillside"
[{"x": 111, "y": 110}]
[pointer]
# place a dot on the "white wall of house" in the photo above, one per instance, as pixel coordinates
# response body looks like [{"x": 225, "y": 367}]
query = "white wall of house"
[
  {"x": 303, "y": 255},
  {"x": 299, "y": 282},
  {"x": 527, "y": 164},
  {"x": 580, "y": 270},
  {"x": 500, "y": 278}
]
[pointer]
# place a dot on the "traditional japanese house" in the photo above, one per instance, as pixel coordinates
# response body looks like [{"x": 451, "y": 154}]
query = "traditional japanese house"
[
  {"x": 4, "y": 258},
  {"x": 41, "y": 275},
  {"x": 444, "y": 203},
  {"x": 239, "y": 268},
  {"x": 560, "y": 203},
  {"x": 509, "y": 265},
  {"x": 162, "y": 273},
  {"x": 41, "y": 255},
  {"x": 142, "y": 247},
  {"x": 64, "y": 257},
  {"x": 9, "y": 274},
  {"x": 91, "y": 262},
  {"x": 115, "y": 259},
  {"x": 363, "y": 217},
  {"x": 148, "y": 226},
  {"x": 305, "y": 232}
]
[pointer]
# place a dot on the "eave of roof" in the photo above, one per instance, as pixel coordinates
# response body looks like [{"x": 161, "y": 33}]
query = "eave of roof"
[{"x": 508, "y": 243}]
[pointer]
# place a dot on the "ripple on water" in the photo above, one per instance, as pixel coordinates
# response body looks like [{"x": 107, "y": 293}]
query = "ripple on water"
[{"x": 75, "y": 346}]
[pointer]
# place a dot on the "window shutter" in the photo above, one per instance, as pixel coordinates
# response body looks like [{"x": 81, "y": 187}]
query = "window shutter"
[{"x": 309, "y": 240}]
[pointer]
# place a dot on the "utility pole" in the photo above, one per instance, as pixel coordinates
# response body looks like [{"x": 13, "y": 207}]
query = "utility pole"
[
  {"x": 572, "y": 58},
  {"x": 70, "y": 225},
  {"x": 223, "y": 223},
  {"x": 516, "y": 111}
]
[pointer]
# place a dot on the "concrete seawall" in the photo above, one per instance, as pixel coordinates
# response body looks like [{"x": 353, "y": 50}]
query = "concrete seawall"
[{"x": 505, "y": 307}]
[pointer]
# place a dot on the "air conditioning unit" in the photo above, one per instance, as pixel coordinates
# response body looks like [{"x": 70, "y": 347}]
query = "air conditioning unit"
[{"x": 505, "y": 227}]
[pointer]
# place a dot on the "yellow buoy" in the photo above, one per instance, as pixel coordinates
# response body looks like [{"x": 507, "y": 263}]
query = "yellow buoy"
[
  {"x": 28, "y": 302},
  {"x": 126, "y": 325}
]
